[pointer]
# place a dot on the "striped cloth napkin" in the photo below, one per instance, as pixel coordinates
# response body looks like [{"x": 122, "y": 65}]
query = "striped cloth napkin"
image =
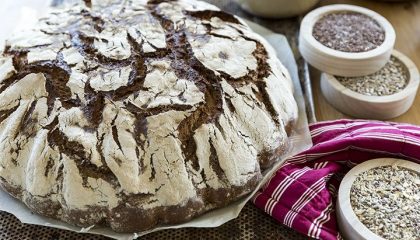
[{"x": 302, "y": 193}]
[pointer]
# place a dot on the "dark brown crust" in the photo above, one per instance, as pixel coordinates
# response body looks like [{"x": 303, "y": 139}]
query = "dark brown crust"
[
  {"x": 132, "y": 219},
  {"x": 179, "y": 52},
  {"x": 268, "y": 158}
]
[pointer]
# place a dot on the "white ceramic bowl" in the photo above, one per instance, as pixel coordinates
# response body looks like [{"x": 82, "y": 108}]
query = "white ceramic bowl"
[
  {"x": 372, "y": 107},
  {"x": 349, "y": 224},
  {"x": 347, "y": 64},
  {"x": 277, "y": 8}
]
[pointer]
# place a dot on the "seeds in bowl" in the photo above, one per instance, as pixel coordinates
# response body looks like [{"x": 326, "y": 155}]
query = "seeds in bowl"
[
  {"x": 387, "y": 201},
  {"x": 349, "y": 32},
  {"x": 391, "y": 79}
]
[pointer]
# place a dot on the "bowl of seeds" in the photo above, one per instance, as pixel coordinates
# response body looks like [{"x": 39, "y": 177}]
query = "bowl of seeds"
[
  {"x": 346, "y": 40},
  {"x": 380, "y": 199},
  {"x": 385, "y": 94}
]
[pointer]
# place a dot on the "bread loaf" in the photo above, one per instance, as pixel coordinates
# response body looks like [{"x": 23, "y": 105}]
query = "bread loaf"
[{"x": 134, "y": 114}]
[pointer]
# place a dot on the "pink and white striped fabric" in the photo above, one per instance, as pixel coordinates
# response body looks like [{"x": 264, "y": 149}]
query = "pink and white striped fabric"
[{"x": 302, "y": 193}]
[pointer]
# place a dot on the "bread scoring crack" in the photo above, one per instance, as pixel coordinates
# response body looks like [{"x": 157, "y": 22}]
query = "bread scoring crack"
[{"x": 131, "y": 110}]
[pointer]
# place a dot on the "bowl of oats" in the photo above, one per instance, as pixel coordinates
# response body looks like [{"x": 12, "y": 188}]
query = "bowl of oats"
[
  {"x": 380, "y": 199},
  {"x": 346, "y": 40},
  {"x": 385, "y": 94}
]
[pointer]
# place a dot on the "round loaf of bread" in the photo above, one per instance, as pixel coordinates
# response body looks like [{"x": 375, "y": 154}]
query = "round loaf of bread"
[{"x": 134, "y": 114}]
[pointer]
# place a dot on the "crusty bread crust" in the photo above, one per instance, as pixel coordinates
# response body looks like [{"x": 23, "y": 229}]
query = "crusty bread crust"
[{"x": 133, "y": 115}]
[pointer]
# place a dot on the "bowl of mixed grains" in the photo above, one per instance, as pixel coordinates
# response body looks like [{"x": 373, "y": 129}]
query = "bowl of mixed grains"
[
  {"x": 380, "y": 199},
  {"x": 382, "y": 95},
  {"x": 346, "y": 40}
]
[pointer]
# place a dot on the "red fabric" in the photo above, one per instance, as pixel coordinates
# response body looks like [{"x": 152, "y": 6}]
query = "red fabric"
[{"x": 302, "y": 193}]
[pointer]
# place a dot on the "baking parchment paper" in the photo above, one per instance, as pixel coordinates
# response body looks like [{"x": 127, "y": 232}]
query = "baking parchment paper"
[{"x": 299, "y": 141}]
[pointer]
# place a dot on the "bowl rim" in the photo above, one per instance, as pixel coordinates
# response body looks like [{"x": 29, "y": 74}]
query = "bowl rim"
[
  {"x": 344, "y": 208},
  {"x": 411, "y": 87},
  {"x": 311, "y": 18}
]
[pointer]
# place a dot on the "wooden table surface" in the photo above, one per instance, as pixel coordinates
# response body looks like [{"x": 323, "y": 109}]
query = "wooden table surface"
[{"x": 405, "y": 17}]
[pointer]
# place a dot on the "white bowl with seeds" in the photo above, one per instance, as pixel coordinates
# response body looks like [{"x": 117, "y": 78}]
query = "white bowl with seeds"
[
  {"x": 385, "y": 94},
  {"x": 380, "y": 199},
  {"x": 346, "y": 40}
]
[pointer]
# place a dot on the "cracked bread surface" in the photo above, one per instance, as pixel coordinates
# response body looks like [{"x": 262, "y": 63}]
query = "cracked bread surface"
[{"x": 136, "y": 114}]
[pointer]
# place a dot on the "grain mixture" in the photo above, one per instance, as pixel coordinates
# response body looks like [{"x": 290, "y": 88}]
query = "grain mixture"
[
  {"x": 389, "y": 80},
  {"x": 349, "y": 32},
  {"x": 387, "y": 201}
]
